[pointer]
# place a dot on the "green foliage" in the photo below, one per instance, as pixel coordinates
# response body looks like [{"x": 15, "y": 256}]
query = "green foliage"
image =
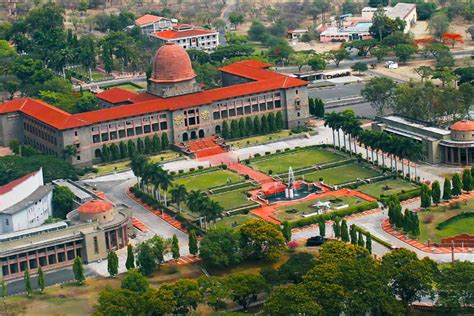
[
  {"x": 368, "y": 242},
  {"x": 466, "y": 180},
  {"x": 175, "y": 248},
  {"x": 383, "y": 26},
  {"x": 27, "y": 279},
  {"x": 187, "y": 295},
  {"x": 344, "y": 231},
  {"x": 316, "y": 107},
  {"x": 193, "y": 244},
  {"x": 322, "y": 228},
  {"x": 380, "y": 92},
  {"x": 457, "y": 184},
  {"x": 425, "y": 196},
  {"x": 150, "y": 254},
  {"x": 220, "y": 248},
  {"x": 353, "y": 234},
  {"x": 243, "y": 288},
  {"x": 404, "y": 52},
  {"x": 455, "y": 284},
  {"x": 259, "y": 239},
  {"x": 436, "y": 192},
  {"x": 360, "y": 67},
  {"x": 336, "y": 227},
  {"x": 438, "y": 24},
  {"x": 135, "y": 281},
  {"x": 286, "y": 231},
  {"x": 63, "y": 201},
  {"x": 296, "y": 267},
  {"x": 112, "y": 263},
  {"x": 130, "y": 263},
  {"x": 78, "y": 270},
  {"x": 447, "y": 189},
  {"x": 214, "y": 291},
  {"x": 291, "y": 300}
]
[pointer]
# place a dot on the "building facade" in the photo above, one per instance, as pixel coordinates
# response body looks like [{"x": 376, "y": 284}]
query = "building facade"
[
  {"x": 25, "y": 203},
  {"x": 150, "y": 24},
  {"x": 173, "y": 104},
  {"x": 189, "y": 37}
]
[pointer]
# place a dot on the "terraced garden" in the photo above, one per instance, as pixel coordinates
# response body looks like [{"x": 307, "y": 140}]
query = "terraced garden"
[
  {"x": 341, "y": 174},
  {"x": 233, "y": 199},
  {"x": 386, "y": 187},
  {"x": 207, "y": 180}
]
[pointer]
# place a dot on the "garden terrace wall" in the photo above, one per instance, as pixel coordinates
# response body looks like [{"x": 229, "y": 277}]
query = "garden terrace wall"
[{"x": 402, "y": 196}]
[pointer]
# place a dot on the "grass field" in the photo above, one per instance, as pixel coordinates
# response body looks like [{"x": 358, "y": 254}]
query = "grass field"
[
  {"x": 130, "y": 87},
  {"x": 430, "y": 219},
  {"x": 299, "y": 159},
  {"x": 206, "y": 180},
  {"x": 259, "y": 139},
  {"x": 124, "y": 165},
  {"x": 233, "y": 199},
  {"x": 302, "y": 208},
  {"x": 386, "y": 187},
  {"x": 234, "y": 221},
  {"x": 341, "y": 174}
]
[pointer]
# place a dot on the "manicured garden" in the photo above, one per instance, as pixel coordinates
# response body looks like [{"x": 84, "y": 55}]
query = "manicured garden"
[
  {"x": 296, "y": 159},
  {"x": 207, "y": 180},
  {"x": 295, "y": 211},
  {"x": 387, "y": 187},
  {"x": 341, "y": 174},
  {"x": 233, "y": 199},
  {"x": 234, "y": 221},
  {"x": 248, "y": 141},
  {"x": 432, "y": 218}
]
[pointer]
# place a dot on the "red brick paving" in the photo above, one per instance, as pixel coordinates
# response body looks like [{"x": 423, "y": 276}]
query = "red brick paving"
[
  {"x": 188, "y": 259},
  {"x": 139, "y": 225},
  {"x": 205, "y": 147}
]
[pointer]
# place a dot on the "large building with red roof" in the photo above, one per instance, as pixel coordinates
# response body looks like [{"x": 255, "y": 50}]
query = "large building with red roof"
[
  {"x": 174, "y": 104},
  {"x": 189, "y": 37}
]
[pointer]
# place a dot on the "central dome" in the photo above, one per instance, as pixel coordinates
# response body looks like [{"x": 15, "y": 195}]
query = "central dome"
[{"x": 172, "y": 64}]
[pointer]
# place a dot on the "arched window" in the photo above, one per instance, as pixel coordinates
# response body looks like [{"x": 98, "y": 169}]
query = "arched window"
[
  {"x": 185, "y": 137},
  {"x": 193, "y": 135},
  {"x": 98, "y": 153},
  {"x": 201, "y": 133},
  {"x": 218, "y": 129}
]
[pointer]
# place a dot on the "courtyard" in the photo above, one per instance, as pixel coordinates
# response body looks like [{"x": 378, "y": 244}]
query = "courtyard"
[
  {"x": 208, "y": 179},
  {"x": 341, "y": 174},
  {"x": 234, "y": 199},
  {"x": 387, "y": 187}
]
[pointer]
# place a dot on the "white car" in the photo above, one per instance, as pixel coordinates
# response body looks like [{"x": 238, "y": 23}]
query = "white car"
[{"x": 391, "y": 64}]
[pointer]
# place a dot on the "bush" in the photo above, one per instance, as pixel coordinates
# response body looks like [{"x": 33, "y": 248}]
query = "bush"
[
  {"x": 270, "y": 171},
  {"x": 246, "y": 177},
  {"x": 200, "y": 167},
  {"x": 278, "y": 151},
  {"x": 224, "y": 167},
  {"x": 180, "y": 171},
  {"x": 287, "y": 149},
  {"x": 172, "y": 173},
  {"x": 267, "y": 153},
  {"x": 402, "y": 196},
  {"x": 257, "y": 155},
  {"x": 455, "y": 205}
]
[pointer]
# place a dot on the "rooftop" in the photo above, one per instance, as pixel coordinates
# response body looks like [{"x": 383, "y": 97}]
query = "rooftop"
[
  {"x": 401, "y": 10},
  {"x": 463, "y": 126},
  {"x": 432, "y": 129},
  {"x": 176, "y": 34},
  {"x": 11, "y": 185},
  {"x": 116, "y": 95},
  {"x": 147, "y": 19},
  {"x": 95, "y": 206},
  {"x": 38, "y": 194}
]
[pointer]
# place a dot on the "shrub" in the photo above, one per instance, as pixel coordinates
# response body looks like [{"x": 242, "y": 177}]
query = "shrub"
[
  {"x": 270, "y": 171},
  {"x": 224, "y": 167},
  {"x": 247, "y": 177},
  {"x": 267, "y": 153},
  {"x": 180, "y": 171},
  {"x": 200, "y": 167},
  {"x": 278, "y": 151},
  {"x": 287, "y": 149},
  {"x": 192, "y": 169},
  {"x": 257, "y": 155},
  {"x": 455, "y": 205},
  {"x": 172, "y": 173}
]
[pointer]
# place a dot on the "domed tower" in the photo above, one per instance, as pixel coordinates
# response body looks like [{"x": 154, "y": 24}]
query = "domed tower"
[{"x": 172, "y": 73}]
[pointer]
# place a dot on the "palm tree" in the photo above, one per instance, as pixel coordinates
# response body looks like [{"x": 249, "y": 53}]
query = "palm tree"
[
  {"x": 166, "y": 183},
  {"x": 153, "y": 174},
  {"x": 354, "y": 130},
  {"x": 178, "y": 194},
  {"x": 138, "y": 166},
  {"x": 194, "y": 200},
  {"x": 211, "y": 210},
  {"x": 330, "y": 121},
  {"x": 68, "y": 152}
]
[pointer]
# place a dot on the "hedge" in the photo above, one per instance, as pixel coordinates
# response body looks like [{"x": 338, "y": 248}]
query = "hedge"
[
  {"x": 445, "y": 223},
  {"x": 402, "y": 196},
  {"x": 231, "y": 187},
  {"x": 242, "y": 210},
  {"x": 374, "y": 238},
  {"x": 332, "y": 215}
]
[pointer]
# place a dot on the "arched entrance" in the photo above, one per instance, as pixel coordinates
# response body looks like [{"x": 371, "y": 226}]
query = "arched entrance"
[
  {"x": 218, "y": 129},
  {"x": 185, "y": 137},
  {"x": 201, "y": 133},
  {"x": 98, "y": 153},
  {"x": 193, "y": 135}
]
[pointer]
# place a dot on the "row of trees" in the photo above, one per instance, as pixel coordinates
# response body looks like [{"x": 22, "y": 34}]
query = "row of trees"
[
  {"x": 316, "y": 107},
  {"x": 258, "y": 125},
  {"x": 146, "y": 146},
  {"x": 408, "y": 221},
  {"x": 343, "y": 278},
  {"x": 346, "y": 234},
  {"x": 451, "y": 188}
]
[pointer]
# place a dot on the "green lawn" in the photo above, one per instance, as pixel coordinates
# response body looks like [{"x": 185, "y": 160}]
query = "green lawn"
[
  {"x": 233, "y": 199},
  {"x": 259, "y": 139},
  {"x": 430, "y": 219},
  {"x": 386, "y": 187},
  {"x": 207, "y": 180},
  {"x": 341, "y": 174},
  {"x": 298, "y": 159},
  {"x": 234, "y": 221},
  {"x": 285, "y": 213}
]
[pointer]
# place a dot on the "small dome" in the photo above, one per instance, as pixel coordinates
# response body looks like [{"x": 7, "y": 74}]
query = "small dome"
[
  {"x": 95, "y": 206},
  {"x": 172, "y": 64},
  {"x": 463, "y": 126}
]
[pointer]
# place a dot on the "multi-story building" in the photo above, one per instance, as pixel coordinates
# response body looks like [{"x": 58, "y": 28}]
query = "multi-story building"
[
  {"x": 25, "y": 203},
  {"x": 189, "y": 37},
  {"x": 149, "y": 23},
  {"x": 173, "y": 104}
]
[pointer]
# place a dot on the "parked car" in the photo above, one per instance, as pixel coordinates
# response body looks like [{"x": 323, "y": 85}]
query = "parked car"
[
  {"x": 391, "y": 64},
  {"x": 315, "y": 241}
]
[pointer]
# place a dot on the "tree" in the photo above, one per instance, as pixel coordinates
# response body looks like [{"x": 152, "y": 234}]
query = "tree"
[
  {"x": 466, "y": 180},
  {"x": 193, "y": 244},
  {"x": 425, "y": 196},
  {"x": 360, "y": 240},
  {"x": 452, "y": 38},
  {"x": 377, "y": 3},
  {"x": 344, "y": 231},
  {"x": 353, "y": 234},
  {"x": 220, "y": 248},
  {"x": 114, "y": 152},
  {"x": 368, "y": 242},
  {"x": 256, "y": 125},
  {"x": 322, "y": 228},
  {"x": 379, "y": 52},
  {"x": 263, "y": 124},
  {"x": 87, "y": 102},
  {"x": 336, "y": 227},
  {"x": 409, "y": 278},
  {"x": 436, "y": 192},
  {"x": 291, "y": 300},
  {"x": 337, "y": 55},
  {"x": 27, "y": 279},
  {"x": 249, "y": 125},
  {"x": 236, "y": 19},
  {"x": 214, "y": 291},
  {"x": 424, "y": 72},
  {"x": 150, "y": 254},
  {"x": 225, "y": 130},
  {"x": 286, "y": 231},
  {"x": 242, "y": 128},
  {"x": 425, "y": 10},
  {"x": 278, "y": 121},
  {"x": 135, "y": 281},
  {"x": 63, "y": 201},
  {"x": 41, "y": 283},
  {"x": 271, "y": 122},
  {"x": 300, "y": 59},
  {"x": 383, "y": 26},
  {"x": 380, "y": 92},
  {"x": 78, "y": 270},
  {"x": 120, "y": 301},
  {"x": 130, "y": 263},
  {"x": 317, "y": 62},
  {"x": 112, "y": 263},
  {"x": 455, "y": 285},
  {"x": 404, "y": 52},
  {"x": 260, "y": 239},
  {"x": 294, "y": 269},
  {"x": 175, "y": 248},
  {"x": 457, "y": 184},
  {"x": 360, "y": 67},
  {"x": 187, "y": 295},
  {"x": 123, "y": 150},
  {"x": 178, "y": 195},
  {"x": 244, "y": 288},
  {"x": 447, "y": 189},
  {"x": 438, "y": 24}
]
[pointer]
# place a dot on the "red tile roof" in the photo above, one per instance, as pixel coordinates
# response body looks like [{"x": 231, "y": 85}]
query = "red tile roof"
[
  {"x": 463, "y": 126},
  {"x": 172, "y": 34},
  {"x": 11, "y": 185},
  {"x": 95, "y": 206},
  {"x": 147, "y": 18},
  {"x": 116, "y": 95},
  {"x": 265, "y": 81}
]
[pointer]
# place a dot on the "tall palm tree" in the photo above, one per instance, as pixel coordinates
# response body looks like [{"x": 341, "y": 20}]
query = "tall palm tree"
[
  {"x": 211, "y": 210},
  {"x": 194, "y": 200},
  {"x": 354, "y": 130},
  {"x": 178, "y": 194},
  {"x": 330, "y": 121},
  {"x": 166, "y": 183},
  {"x": 138, "y": 166},
  {"x": 153, "y": 173}
]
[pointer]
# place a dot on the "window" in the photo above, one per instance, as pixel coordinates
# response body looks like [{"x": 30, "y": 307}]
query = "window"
[
  {"x": 255, "y": 108},
  {"x": 147, "y": 128},
  {"x": 7, "y": 222},
  {"x": 163, "y": 116},
  {"x": 270, "y": 105},
  {"x": 121, "y": 133},
  {"x": 231, "y": 112},
  {"x": 95, "y": 139},
  {"x": 105, "y": 137},
  {"x": 78, "y": 158},
  {"x": 192, "y": 121},
  {"x": 240, "y": 111},
  {"x": 164, "y": 125},
  {"x": 248, "y": 110},
  {"x": 224, "y": 114},
  {"x": 155, "y": 127},
  {"x": 216, "y": 115},
  {"x": 138, "y": 130},
  {"x": 298, "y": 114},
  {"x": 296, "y": 91},
  {"x": 263, "y": 107},
  {"x": 113, "y": 135},
  {"x": 75, "y": 133},
  {"x": 130, "y": 132},
  {"x": 277, "y": 104}
]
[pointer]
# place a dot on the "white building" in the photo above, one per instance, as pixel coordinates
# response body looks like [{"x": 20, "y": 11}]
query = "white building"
[
  {"x": 151, "y": 23},
  {"x": 25, "y": 203},
  {"x": 189, "y": 37},
  {"x": 404, "y": 11}
]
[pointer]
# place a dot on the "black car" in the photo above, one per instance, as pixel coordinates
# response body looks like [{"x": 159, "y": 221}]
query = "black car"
[{"x": 315, "y": 241}]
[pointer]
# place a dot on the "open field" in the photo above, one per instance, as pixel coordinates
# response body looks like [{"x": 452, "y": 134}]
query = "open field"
[
  {"x": 233, "y": 199},
  {"x": 341, "y": 174},
  {"x": 259, "y": 139},
  {"x": 130, "y": 87},
  {"x": 296, "y": 160},
  {"x": 206, "y": 180},
  {"x": 287, "y": 213},
  {"x": 386, "y": 187},
  {"x": 430, "y": 219},
  {"x": 234, "y": 221},
  {"x": 124, "y": 165}
]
